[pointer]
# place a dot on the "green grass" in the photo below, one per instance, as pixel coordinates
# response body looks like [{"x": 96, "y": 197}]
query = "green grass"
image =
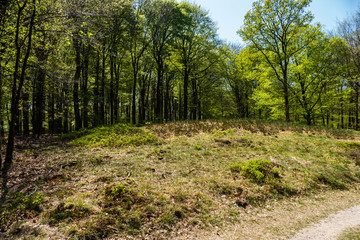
[
  {"x": 118, "y": 135},
  {"x": 198, "y": 175}
]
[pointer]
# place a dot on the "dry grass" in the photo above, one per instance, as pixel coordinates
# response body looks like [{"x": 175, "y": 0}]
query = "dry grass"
[
  {"x": 351, "y": 234},
  {"x": 184, "y": 183}
]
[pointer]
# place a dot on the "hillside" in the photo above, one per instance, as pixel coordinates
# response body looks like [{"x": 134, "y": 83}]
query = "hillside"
[{"x": 178, "y": 180}]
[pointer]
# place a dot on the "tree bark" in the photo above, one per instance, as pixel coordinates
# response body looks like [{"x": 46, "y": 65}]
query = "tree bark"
[
  {"x": 16, "y": 92},
  {"x": 85, "y": 93},
  {"x": 102, "y": 90},
  {"x": 76, "y": 83},
  {"x": 112, "y": 90},
  {"x": 133, "y": 98},
  {"x": 25, "y": 111},
  {"x": 186, "y": 94},
  {"x": 96, "y": 91}
]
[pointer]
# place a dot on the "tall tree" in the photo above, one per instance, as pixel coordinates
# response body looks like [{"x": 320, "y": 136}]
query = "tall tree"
[
  {"x": 138, "y": 43},
  {"x": 195, "y": 37},
  {"x": 279, "y": 29},
  {"x": 19, "y": 75}
]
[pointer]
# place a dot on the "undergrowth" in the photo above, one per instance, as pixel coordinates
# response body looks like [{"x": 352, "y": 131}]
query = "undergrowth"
[
  {"x": 111, "y": 136},
  {"x": 266, "y": 127},
  {"x": 19, "y": 207},
  {"x": 198, "y": 176}
]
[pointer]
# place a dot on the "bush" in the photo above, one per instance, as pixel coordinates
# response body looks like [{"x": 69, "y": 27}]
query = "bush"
[{"x": 258, "y": 170}]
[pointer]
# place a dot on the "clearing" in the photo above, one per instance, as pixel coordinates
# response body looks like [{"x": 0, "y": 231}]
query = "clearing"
[{"x": 187, "y": 180}]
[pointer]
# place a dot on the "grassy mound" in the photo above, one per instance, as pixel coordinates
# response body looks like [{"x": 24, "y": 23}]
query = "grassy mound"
[
  {"x": 266, "y": 127},
  {"x": 111, "y": 136},
  {"x": 200, "y": 175}
]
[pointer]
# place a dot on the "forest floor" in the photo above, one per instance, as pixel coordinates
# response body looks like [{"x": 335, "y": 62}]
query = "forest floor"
[{"x": 240, "y": 179}]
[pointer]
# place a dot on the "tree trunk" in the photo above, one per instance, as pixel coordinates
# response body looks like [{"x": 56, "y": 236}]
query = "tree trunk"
[
  {"x": 39, "y": 102},
  {"x": 96, "y": 91},
  {"x": 195, "y": 100},
  {"x": 102, "y": 99},
  {"x": 287, "y": 103},
  {"x": 66, "y": 107},
  {"x": 142, "y": 92},
  {"x": 116, "y": 92},
  {"x": 59, "y": 109},
  {"x": 51, "y": 113},
  {"x": 159, "y": 94},
  {"x": 76, "y": 100},
  {"x": 16, "y": 92},
  {"x": 133, "y": 99},
  {"x": 186, "y": 94},
  {"x": 25, "y": 110},
  {"x": 85, "y": 93},
  {"x": 357, "y": 107},
  {"x": 112, "y": 90},
  {"x": 1, "y": 98},
  {"x": 167, "y": 99}
]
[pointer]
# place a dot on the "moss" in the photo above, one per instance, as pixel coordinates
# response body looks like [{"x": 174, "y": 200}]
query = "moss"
[
  {"x": 258, "y": 170},
  {"x": 67, "y": 212}
]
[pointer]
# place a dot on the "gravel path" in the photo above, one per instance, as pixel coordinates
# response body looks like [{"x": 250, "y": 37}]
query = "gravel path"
[{"x": 332, "y": 226}]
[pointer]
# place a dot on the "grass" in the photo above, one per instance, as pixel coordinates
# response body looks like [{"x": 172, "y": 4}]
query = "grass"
[
  {"x": 350, "y": 234},
  {"x": 118, "y": 135},
  {"x": 179, "y": 177}
]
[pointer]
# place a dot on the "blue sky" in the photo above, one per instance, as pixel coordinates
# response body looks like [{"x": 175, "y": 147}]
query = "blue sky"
[{"x": 229, "y": 14}]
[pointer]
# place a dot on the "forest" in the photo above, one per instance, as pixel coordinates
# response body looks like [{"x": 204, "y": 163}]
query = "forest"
[
  {"x": 144, "y": 96},
  {"x": 67, "y": 65}
]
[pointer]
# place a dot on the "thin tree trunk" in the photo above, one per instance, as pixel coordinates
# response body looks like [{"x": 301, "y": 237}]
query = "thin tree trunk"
[
  {"x": 287, "y": 103},
  {"x": 85, "y": 86},
  {"x": 76, "y": 83},
  {"x": 102, "y": 100},
  {"x": 66, "y": 108},
  {"x": 159, "y": 95},
  {"x": 39, "y": 101},
  {"x": 15, "y": 97},
  {"x": 116, "y": 92},
  {"x": 111, "y": 90},
  {"x": 25, "y": 110},
  {"x": 96, "y": 91},
  {"x": 51, "y": 113},
  {"x": 133, "y": 98},
  {"x": 186, "y": 94},
  {"x": 1, "y": 115},
  {"x": 357, "y": 107}
]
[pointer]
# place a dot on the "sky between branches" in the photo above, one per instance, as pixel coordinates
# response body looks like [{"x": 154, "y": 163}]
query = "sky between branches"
[{"x": 229, "y": 14}]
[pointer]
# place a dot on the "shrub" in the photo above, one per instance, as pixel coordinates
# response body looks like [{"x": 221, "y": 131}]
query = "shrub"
[{"x": 258, "y": 170}]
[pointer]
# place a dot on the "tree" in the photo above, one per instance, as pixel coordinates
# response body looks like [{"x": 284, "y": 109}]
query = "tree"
[
  {"x": 19, "y": 74},
  {"x": 312, "y": 72},
  {"x": 195, "y": 38},
  {"x": 138, "y": 43},
  {"x": 239, "y": 68},
  {"x": 279, "y": 29},
  {"x": 350, "y": 31}
]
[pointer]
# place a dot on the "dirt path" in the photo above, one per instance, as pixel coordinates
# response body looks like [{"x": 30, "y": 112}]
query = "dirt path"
[
  {"x": 339, "y": 210},
  {"x": 332, "y": 226}
]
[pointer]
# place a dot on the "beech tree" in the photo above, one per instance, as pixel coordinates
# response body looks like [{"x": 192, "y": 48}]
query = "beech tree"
[{"x": 279, "y": 29}]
